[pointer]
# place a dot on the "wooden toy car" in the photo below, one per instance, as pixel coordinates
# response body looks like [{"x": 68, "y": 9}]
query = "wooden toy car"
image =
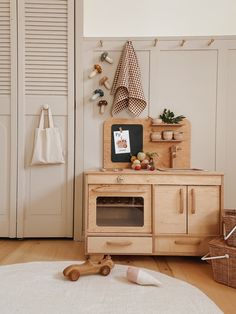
[{"x": 103, "y": 267}]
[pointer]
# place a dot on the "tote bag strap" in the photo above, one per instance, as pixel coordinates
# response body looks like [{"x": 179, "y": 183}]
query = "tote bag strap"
[
  {"x": 41, "y": 121},
  {"x": 50, "y": 119}
]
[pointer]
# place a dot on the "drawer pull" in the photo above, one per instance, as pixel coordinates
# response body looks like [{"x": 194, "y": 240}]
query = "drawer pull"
[
  {"x": 119, "y": 243},
  {"x": 120, "y": 179},
  {"x": 184, "y": 242},
  {"x": 181, "y": 197}
]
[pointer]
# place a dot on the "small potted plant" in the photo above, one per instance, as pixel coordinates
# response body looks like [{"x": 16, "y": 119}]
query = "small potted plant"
[{"x": 169, "y": 117}]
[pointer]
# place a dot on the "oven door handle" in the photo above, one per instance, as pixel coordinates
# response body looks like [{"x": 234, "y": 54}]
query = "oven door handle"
[{"x": 115, "y": 190}]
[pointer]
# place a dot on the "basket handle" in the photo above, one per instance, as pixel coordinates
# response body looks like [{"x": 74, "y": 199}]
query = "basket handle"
[
  {"x": 205, "y": 258},
  {"x": 230, "y": 233}
]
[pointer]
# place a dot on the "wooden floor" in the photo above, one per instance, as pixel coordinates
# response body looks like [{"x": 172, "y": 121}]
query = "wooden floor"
[{"x": 189, "y": 269}]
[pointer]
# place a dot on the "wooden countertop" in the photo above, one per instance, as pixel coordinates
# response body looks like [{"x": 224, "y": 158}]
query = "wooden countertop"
[{"x": 166, "y": 171}]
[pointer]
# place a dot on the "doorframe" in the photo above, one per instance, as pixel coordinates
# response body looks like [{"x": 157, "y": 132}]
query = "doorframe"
[
  {"x": 14, "y": 114},
  {"x": 79, "y": 123}
]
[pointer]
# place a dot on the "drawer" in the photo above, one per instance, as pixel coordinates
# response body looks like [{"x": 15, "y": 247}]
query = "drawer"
[
  {"x": 119, "y": 245},
  {"x": 181, "y": 245},
  {"x": 147, "y": 177},
  {"x": 118, "y": 178}
]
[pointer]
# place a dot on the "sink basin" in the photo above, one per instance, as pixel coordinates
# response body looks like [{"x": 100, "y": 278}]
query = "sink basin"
[{"x": 180, "y": 169}]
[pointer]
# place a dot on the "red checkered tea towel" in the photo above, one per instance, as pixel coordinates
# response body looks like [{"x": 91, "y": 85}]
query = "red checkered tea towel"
[{"x": 127, "y": 87}]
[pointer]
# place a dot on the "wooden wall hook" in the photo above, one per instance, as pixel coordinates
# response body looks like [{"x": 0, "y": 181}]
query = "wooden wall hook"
[
  {"x": 210, "y": 42},
  {"x": 155, "y": 42},
  {"x": 101, "y": 43},
  {"x": 182, "y": 43}
]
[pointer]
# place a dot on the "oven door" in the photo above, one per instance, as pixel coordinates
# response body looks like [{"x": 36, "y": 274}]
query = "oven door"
[{"x": 119, "y": 208}]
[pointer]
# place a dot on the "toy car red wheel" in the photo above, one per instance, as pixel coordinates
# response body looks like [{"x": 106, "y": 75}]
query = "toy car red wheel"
[
  {"x": 105, "y": 270},
  {"x": 74, "y": 275}
]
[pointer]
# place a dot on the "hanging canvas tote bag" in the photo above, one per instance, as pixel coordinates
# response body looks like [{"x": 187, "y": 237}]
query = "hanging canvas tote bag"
[{"x": 47, "y": 142}]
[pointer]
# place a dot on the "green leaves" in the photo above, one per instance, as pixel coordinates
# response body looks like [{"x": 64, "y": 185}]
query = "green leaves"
[{"x": 169, "y": 117}]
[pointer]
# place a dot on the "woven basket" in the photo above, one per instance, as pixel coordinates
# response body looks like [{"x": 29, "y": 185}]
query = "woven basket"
[
  {"x": 229, "y": 219},
  {"x": 223, "y": 261}
]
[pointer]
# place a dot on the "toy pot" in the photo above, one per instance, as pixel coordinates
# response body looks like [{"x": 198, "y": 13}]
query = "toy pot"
[
  {"x": 178, "y": 136},
  {"x": 167, "y": 135},
  {"x": 156, "y": 121},
  {"x": 156, "y": 136}
]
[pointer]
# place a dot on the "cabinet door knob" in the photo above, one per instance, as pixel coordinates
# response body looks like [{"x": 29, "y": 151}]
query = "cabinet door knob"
[{"x": 120, "y": 179}]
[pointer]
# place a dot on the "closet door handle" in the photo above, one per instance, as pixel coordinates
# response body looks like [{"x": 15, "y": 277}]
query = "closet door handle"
[
  {"x": 181, "y": 201},
  {"x": 193, "y": 200},
  {"x": 119, "y": 243}
]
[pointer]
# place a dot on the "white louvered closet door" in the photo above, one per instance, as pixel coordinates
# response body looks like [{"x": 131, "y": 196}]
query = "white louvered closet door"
[
  {"x": 8, "y": 118},
  {"x": 45, "y": 76}
]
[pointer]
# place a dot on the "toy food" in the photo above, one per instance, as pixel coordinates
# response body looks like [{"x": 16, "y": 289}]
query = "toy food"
[
  {"x": 97, "y": 93},
  {"x": 143, "y": 161},
  {"x": 141, "y": 277},
  {"x": 141, "y": 156},
  {"x": 102, "y": 105},
  {"x": 104, "y": 57},
  {"x": 96, "y": 70},
  {"x": 137, "y": 167},
  {"x": 104, "y": 82}
]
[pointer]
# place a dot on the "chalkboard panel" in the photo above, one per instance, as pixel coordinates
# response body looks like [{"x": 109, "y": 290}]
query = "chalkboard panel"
[{"x": 136, "y": 141}]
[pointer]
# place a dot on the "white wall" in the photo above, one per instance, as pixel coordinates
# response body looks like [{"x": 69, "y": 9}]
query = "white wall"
[
  {"x": 128, "y": 18},
  {"x": 196, "y": 80}
]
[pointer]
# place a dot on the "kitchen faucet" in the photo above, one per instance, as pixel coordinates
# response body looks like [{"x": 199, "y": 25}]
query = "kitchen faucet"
[{"x": 173, "y": 155}]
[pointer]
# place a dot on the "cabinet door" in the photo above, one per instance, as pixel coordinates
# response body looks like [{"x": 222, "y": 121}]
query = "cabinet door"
[
  {"x": 8, "y": 116},
  {"x": 170, "y": 209},
  {"x": 46, "y": 76},
  {"x": 204, "y": 210}
]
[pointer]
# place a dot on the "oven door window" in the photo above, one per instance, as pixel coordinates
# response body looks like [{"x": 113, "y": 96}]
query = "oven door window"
[{"x": 120, "y": 211}]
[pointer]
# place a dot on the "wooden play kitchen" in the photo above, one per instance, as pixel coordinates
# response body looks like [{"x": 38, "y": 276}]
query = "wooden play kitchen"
[{"x": 173, "y": 210}]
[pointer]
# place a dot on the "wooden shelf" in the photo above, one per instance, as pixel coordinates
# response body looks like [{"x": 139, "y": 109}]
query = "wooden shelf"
[
  {"x": 167, "y": 141},
  {"x": 167, "y": 124}
]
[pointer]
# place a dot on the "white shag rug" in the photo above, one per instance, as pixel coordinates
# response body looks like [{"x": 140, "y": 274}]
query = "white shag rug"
[{"x": 40, "y": 288}]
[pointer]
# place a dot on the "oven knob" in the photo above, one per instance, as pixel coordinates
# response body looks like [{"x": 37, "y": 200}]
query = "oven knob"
[{"x": 120, "y": 179}]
